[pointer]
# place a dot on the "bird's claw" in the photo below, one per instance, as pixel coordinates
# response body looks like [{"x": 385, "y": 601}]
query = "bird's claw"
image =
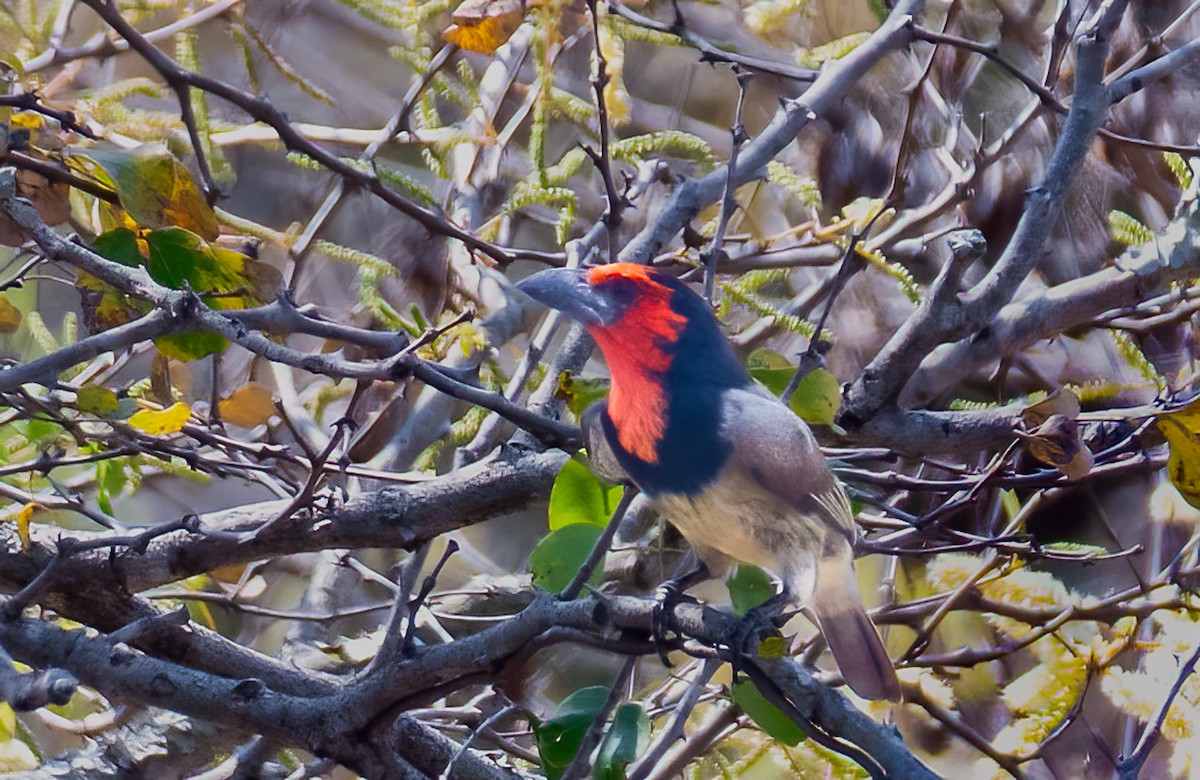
[
  {"x": 758, "y": 622},
  {"x": 662, "y": 617}
]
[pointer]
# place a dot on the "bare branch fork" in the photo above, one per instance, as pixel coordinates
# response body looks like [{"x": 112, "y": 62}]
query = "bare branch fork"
[
  {"x": 957, "y": 316},
  {"x": 829, "y": 87}
]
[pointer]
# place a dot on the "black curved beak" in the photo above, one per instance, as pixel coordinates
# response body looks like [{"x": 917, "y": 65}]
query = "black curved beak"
[{"x": 567, "y": 290}]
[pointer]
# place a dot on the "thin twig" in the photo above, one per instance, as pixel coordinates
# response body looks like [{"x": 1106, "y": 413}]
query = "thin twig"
[
  {"x": 728, "y": 196},
  {"x": 603, "y": 542},
  {"x": 1129, "y": 768},
  {"x": 603, "y": 159},
  {"x": 581, "y": 764}
]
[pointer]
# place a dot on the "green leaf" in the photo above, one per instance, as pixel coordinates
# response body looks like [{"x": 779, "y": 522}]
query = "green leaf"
[
  {"x": 104, "y": 306},
  {"x": 578, "y": 496},
  {"x": 41, "y": 432},
  {"x": 126, "y": 408},
  {"x": 763, "y": 359},
  {"x": 191, "y": 345},
  {"x": 119, "y": 245},
  {"x": 765, "y": 715},
  {"x": 96, "y": 399},
  {"x": 818, "y": 396},
  {"x": 224, "y": 278},
  {"x": 179, "y": 257},
  {"x": 156, "y": 189},
  {"x": 748, "y": 588},
  {"x": 560, "y": 555},
  {"x": 580, "y": 393},
  {"x": 558, "y": 739},
  {"x": 111, "y": 478},
  {"x": 626, "y": 739}
]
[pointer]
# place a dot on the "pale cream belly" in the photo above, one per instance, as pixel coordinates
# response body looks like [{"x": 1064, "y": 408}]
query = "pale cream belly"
[{"x": 740, "y": 520}]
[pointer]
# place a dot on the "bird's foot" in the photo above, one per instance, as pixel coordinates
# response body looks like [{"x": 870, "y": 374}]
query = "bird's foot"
[
  {"x": 757, "y": 624},
  {"x": 662, "y": 618}
]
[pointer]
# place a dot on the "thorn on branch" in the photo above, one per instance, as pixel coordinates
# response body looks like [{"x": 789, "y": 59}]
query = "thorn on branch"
[
  {"x": 415, "y": 604},
  {"x": 131, "y": 632}
]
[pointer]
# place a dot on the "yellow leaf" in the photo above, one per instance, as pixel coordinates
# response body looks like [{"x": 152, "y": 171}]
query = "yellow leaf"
[
  {"x": 95, "y": 399},
  {"x": 248, "y": 406},
  {"x": 156, "y": 422},
  {"x": 25, "y": 120},
  {"x": 1181, "y": 430},
  {"x": 482, "y": 26},
  {"x": 10, "y": 316},
  {"x": 24, "y": 518},
  {"x": 773, "y": 647}
]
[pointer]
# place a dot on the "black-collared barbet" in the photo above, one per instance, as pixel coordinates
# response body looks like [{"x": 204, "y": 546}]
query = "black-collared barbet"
[{"x": 725, "y": 461}]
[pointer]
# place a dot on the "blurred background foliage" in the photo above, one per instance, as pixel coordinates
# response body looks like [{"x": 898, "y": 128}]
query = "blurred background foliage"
[{"x": 1050, "y": 668}]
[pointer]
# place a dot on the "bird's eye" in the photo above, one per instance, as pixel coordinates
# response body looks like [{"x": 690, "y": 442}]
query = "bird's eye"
[{"x": 621, "y": 293}]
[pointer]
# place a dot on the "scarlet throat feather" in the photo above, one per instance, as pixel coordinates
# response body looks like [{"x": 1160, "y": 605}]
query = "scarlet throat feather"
[{"x": 637, "y": 349}]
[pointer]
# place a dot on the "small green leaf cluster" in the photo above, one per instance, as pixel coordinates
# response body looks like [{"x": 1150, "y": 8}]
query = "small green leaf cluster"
[
  {"x": 560, "y": 738},
  {"x": 580, "y": 508}
]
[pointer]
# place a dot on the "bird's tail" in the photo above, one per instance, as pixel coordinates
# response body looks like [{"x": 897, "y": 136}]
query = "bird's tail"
[{"x": 851, "y": 635}]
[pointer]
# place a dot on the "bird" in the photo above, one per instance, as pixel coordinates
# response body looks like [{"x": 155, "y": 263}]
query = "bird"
[{"x": 726, "y": 462}]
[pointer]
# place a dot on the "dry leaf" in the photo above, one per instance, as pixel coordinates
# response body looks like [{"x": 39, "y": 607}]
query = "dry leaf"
[
  {"x": 1052, "y": 435},
  {"x": 1061, "y": 401},
  {"x": 1057, "y": 443},
  {"x": 482, "y": 26},
  {"x": 10, "y": 316},
  {"x": 51, "y": 199},
  {"x": 160, "y": 379},
  {"x": 248, "y": 406},
  {"x": 156, "y": 422},
  {"x": 265, "y": 280}
]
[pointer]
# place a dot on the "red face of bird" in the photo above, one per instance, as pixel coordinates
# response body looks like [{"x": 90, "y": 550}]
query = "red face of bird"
[
  {"x": 635, "y": 314},
  {"x": 599, "y": 297},
  {"x": 637, "y": 318}
]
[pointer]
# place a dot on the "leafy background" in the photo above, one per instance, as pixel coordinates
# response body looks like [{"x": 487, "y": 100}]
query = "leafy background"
[{"x": 1073, "y": 622}]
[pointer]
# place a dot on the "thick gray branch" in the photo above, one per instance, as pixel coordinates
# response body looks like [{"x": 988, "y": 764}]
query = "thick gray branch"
[
  {"x": 348, "y": 725},
  {"x": 396, "y": 517},
  {"x": 949, "y": 319},
  {"x": 1139, "y": 270}
]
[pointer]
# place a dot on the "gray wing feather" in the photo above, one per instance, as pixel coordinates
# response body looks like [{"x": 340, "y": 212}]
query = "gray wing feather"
[
  {"x": 595, "y": 440},
  {"x": 779, "y": 451}
]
